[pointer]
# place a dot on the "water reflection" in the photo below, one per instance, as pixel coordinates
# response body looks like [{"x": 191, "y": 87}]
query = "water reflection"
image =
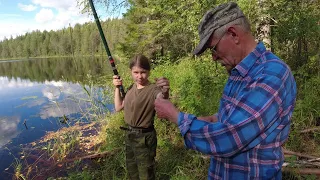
[
  {"x": 31, "y": 102},
  {"x": 8, "y": 129},
  {"x": 52, "y": 93},
  {"x": 6, "y": 84},
  {"x": 60, "y": 69},
  {"x": 59, "y": 106},
  {"x": 36, "y": 95},
  {"x": 36, "y": 102}
]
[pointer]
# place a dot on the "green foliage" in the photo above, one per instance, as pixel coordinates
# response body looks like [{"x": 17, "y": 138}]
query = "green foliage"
[
  {"x": 296, "y": 31},
  {"x": 162, "y": 27},
  {"x": 170, "y": 149},
  {"x": 196, "y": 85},
  {"x": 307, "y": 110},
  {"x": 85, "y": 175},
  {"x": 79, "y": 40},
  {"x": 112, "y": 133}
]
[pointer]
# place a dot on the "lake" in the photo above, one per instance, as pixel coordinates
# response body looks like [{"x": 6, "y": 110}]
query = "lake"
[{"x": 41, "y": 95}]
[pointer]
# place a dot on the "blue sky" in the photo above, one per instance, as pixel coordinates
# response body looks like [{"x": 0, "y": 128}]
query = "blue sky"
[{"x": 20, "y": 16}]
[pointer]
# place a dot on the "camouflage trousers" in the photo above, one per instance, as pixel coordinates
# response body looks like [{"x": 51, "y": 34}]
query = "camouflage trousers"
[{"x": 140, "y": 155}]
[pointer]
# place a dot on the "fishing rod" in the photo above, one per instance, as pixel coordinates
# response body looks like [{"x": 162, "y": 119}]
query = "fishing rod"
[{"x": 111, "y": 60}]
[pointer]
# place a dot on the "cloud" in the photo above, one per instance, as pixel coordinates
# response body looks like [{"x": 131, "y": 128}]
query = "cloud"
[
  {"x": 52, "y": 93},
  {"x": 6, "y": 83},
  {"x": 8, "y": 129},
  {"x": 59, "y": 109},
  {"x": 24, "y": 7},
  {"x": 53, "y": 15},
  {"x": 61, "y": 5},
  {"x": 67, "y": 13},
  {"x": 12, "y": 25},
  {"x": 55, "y": 83},
  {"x": 54, "y": 90},
  {"x": 72, "y": 102},
  {"x": 45, "y": 15}
]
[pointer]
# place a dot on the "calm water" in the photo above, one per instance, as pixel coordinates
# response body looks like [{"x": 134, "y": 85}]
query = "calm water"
[{"x": 35, "y": 95}]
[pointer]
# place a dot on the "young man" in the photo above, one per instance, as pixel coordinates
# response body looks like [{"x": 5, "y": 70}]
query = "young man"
[{"x": 244, "y": 138}]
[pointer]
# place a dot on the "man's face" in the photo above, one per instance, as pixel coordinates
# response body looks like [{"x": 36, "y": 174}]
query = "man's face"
[{"x": 223, "y": 50}]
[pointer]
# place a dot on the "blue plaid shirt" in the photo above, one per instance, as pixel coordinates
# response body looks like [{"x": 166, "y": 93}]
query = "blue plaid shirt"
[{"x": 253, "y": 120}]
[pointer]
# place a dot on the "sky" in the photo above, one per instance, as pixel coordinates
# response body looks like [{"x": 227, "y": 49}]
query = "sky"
[{"x": 18, "y": 17}]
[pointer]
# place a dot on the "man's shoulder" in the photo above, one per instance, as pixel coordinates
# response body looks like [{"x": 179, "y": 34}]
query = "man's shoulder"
[
  {"x": 276, "y": 67},
  {"x": 272, "y": 65}
]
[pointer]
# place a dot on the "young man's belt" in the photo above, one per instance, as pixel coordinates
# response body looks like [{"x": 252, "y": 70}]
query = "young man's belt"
[{"x": 137, "y": 129}]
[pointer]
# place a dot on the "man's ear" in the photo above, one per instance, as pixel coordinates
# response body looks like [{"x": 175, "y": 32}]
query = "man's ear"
[{"x": 234, "y": 34}]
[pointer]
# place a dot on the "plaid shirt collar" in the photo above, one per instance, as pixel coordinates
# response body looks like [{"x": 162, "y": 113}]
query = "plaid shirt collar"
[{"x": 246, "y": 64}]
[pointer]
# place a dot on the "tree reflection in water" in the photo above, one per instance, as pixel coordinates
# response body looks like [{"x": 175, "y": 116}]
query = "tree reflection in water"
[{"x": 44, "y": 95}]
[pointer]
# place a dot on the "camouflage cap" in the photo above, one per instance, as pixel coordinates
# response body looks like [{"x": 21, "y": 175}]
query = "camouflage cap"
[{"x": 214, "y": 19}]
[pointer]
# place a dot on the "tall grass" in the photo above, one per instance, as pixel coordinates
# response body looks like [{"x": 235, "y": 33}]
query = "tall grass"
[{"x": 306, "y": 115}]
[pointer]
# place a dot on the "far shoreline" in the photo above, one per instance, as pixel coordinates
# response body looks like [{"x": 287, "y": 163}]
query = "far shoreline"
[{"x": 43, "y": 57}]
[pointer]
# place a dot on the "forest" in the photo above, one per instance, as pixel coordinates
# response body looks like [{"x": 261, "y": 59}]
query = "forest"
[
  {"x": 166, "y": 31},
  {"x": 79, "y": 40}
]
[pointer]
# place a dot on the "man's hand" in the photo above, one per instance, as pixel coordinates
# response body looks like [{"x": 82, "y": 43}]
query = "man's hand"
[
  {"x": 212, "y": 118},
  {"x": 166, "y": 110},
  {"x": 164, "y": 85}
]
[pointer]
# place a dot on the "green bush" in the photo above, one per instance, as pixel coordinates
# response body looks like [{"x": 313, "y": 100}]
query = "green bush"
[{"x": 196, "y": 85}]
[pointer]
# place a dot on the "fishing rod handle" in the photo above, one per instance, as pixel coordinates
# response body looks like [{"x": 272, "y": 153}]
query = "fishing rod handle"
[
  {"x": 115, "y": 72},
  {"x": 122, "y": 93}
]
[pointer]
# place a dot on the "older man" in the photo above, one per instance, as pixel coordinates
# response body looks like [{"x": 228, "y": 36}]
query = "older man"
[{"x": 244, "y": 138}]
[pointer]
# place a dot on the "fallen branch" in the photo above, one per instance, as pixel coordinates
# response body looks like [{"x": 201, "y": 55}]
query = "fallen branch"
[
  {"x": 310, "y": 130},
  {"x": 300, "y": 164},
  {"x": 298, "y": 154},
  {"x": 99, "y": 155},
  {"x": 92, "y": 156},
  {"x": 310, "y": 164},
  {"x": 38, "y": 159},
  {"x": 313, "y": 160},
  {"x": 314, "y": 171}
]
